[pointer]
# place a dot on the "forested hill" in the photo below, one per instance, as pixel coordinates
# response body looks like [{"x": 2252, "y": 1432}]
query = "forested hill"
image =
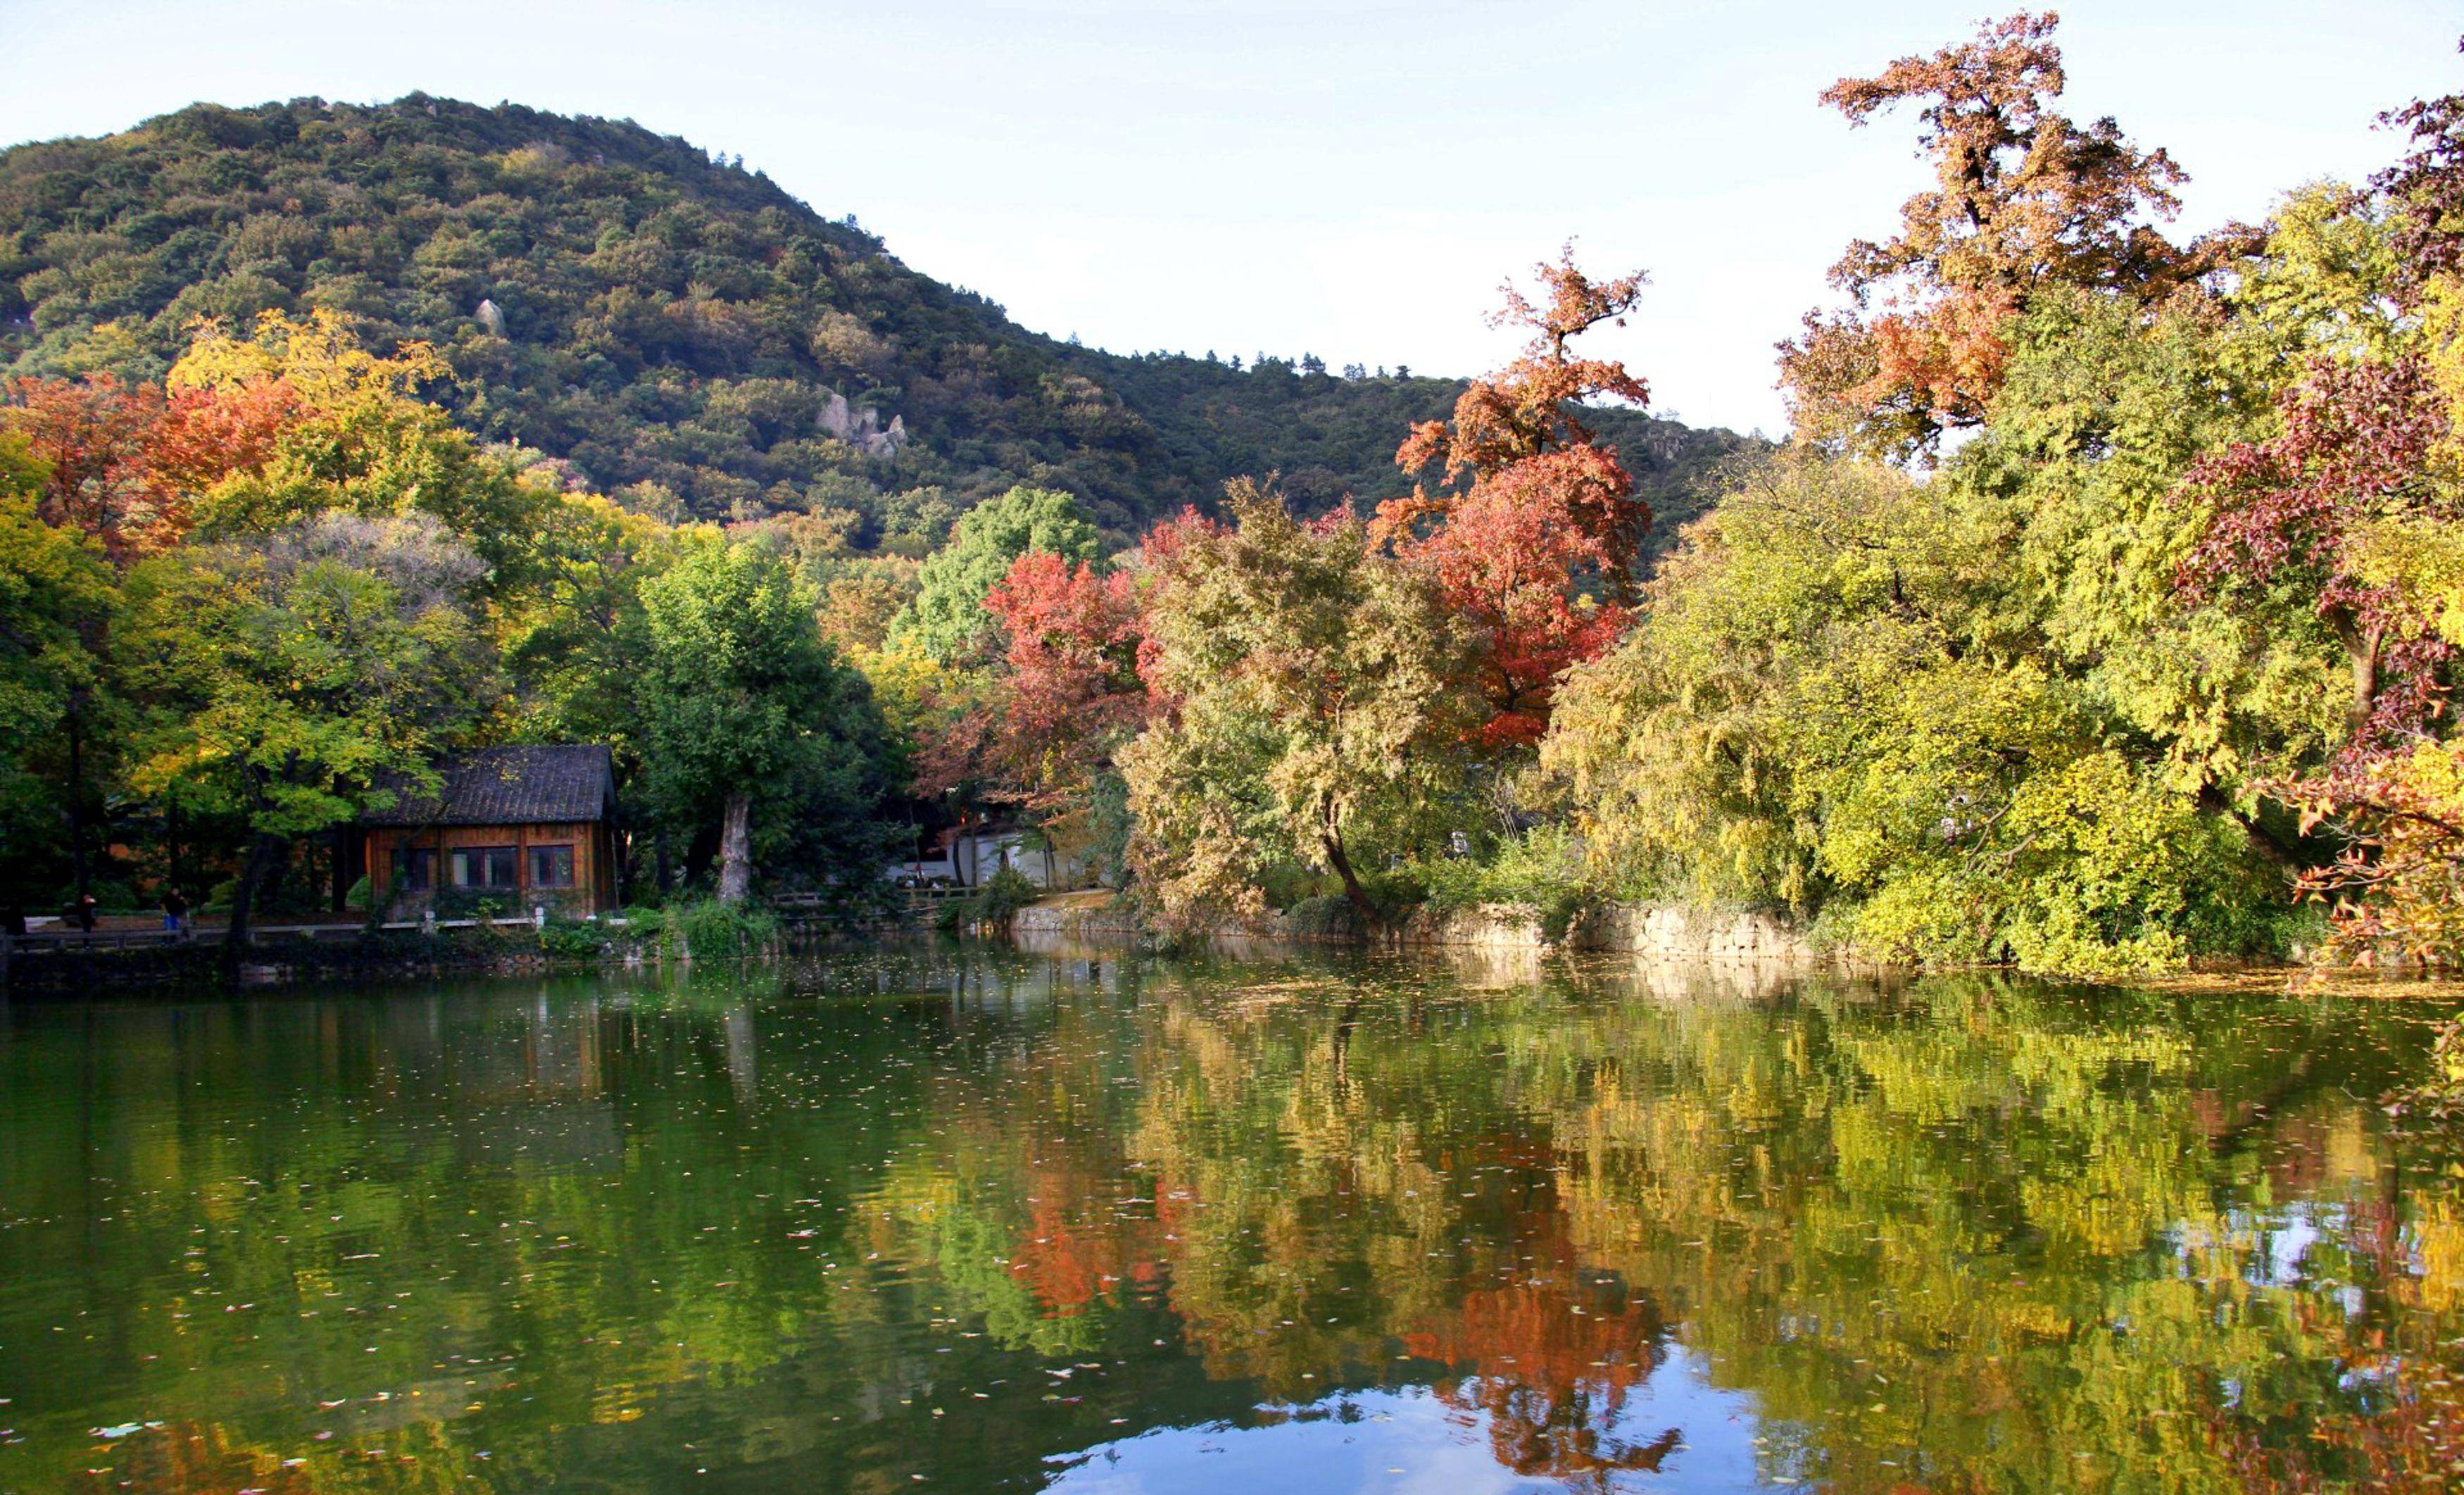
[{"x": 676, "y": 328}]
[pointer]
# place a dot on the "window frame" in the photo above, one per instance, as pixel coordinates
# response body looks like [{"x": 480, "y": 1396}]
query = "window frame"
[
  {"x": 552, "y": 852},
  {"x": 484, "y": 860},
  {"x": 414, "y": 868}
]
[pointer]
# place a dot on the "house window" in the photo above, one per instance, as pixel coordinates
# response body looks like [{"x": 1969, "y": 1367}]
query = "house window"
[
  {"x": 414, "y": 868},
  {"x": 483, "y": 867},
  {"x": 551, "y": 867}
]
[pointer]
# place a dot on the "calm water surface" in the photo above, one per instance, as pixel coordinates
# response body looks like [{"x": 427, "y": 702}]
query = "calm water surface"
[{"x": 1010, "y": 1222}]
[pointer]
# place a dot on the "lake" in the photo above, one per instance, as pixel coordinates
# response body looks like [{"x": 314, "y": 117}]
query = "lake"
[{"x": 977, "y": 1220}]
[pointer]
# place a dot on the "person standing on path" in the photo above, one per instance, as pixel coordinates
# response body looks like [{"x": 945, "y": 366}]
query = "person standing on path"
[{"x": 175, "y": 910}]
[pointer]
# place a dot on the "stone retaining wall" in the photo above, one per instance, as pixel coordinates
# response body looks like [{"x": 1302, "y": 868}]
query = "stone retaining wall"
[
  {"x": 1657, "y": 932},
  {"x": 1075, "y": 919},
  {"x": 1654, "y": 931}
]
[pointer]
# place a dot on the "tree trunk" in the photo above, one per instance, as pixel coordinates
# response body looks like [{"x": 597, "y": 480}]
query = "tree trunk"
[
  {"x": 172, "y": 874},
  {"x": 2361, "y": 649},
  {"x": 735, "y": 849},
  {"x": 83, "y": 875},
  {"x": 1342, "y": 865},
  {"x": 252, "y": 873},
  {"x": 2366, "y": 679},
  {"x": 2285, "y": 857},
  {"x": 341, "y": 881},
  {"x": 612, "y": 848},
  {"x": 659, "y": 877}
]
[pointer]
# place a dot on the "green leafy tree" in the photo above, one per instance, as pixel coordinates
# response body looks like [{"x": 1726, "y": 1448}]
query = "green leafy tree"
[
  {"x": 949, "y": 617},
  {"x": 1303, "y": 715},
  {"x": 1834, "y": 705},
  {"x": 575, "y": 636},
  {"x": 743, "y": 703},
  {"x": 288, "y": 674},
  {"x": 56, "y": 595}
]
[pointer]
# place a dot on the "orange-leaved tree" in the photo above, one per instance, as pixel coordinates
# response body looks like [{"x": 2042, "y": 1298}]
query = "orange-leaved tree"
[
  {"x": 127, "y": 463},
  {"x": 2023, "y": 199},
  {"x": 1532, "y": 516},
  {"x": 1072, "y": 694}
]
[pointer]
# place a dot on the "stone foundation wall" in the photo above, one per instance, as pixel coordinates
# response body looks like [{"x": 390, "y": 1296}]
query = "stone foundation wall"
[
  {"x": 1649, "y": 932},
  {"x": 1670, "y": 931},
  {"x": 1076, "y": 917}
]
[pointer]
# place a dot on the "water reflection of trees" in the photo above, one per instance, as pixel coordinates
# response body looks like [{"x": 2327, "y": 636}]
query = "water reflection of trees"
[
  {"x": 1960, "y": 1235},
  {"x": 1969, "y": 1232}
]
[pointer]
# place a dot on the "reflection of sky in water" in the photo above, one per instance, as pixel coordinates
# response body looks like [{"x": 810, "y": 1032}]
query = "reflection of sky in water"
[
  {"x": 2273, "y": 1244},
  {"x": 2279, "y": 1244},
  {"x": 2284, "y": 1241},
  {"x": 1413, "y": 1443}
]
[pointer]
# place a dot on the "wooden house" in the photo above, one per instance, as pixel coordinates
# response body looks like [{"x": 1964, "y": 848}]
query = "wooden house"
[{"x": 521, "y": 827}]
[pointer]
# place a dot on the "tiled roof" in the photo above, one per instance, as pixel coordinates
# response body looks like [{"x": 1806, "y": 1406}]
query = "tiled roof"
[{"x": 509, "y": 785}]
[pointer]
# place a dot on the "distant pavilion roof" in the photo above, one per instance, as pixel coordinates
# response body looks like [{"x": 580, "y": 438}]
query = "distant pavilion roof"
[{"x": 508, "y": 786}]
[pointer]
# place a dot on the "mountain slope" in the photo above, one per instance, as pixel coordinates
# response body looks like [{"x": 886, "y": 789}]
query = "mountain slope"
[{"x": 668, "y": 325}]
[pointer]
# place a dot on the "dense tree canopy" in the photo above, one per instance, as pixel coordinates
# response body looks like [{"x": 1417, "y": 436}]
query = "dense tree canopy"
[
  {"x": 950, "y": 621},
  {"x": 1301, "y": 711},
  {"x": 248, "y": 605},
  {"x": 2154, "y": 653},
  {"x": 1830, "y": 706}
]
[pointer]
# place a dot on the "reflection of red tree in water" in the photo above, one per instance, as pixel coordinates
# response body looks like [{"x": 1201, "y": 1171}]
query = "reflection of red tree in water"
[
  {"x": 1080, "y": 1242},
  {"x": 190, "y": 1458},
  {"x": 1552, "y": 1355},
  {"x": 1544, "y": 1348},
  {"x": 1550, "y": 1361}
]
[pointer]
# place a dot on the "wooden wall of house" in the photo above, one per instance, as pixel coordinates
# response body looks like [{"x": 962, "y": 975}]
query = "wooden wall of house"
[{"x": 594, "y": 867}]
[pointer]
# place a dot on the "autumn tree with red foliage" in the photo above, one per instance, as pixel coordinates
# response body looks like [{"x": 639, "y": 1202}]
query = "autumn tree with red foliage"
[
  {"x": 127, "y": 464},
  {"x": 2351, "y": 511},
  {"x": 1537, "y": 511},
  {"x": 2357, "y": 447},
  {"x": 2023, "y": 199},
  {"x": 2428, "y": 185},
  {"x": 1073, "y": 693}
]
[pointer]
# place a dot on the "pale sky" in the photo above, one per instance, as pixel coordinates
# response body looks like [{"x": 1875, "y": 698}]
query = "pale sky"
[{"x": 1341, "y": 177}]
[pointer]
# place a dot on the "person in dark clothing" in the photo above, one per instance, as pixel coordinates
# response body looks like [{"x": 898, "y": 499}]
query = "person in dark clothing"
[
  {"x": 175, "y": 910},
  {"x": 86, "y": 913}
]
